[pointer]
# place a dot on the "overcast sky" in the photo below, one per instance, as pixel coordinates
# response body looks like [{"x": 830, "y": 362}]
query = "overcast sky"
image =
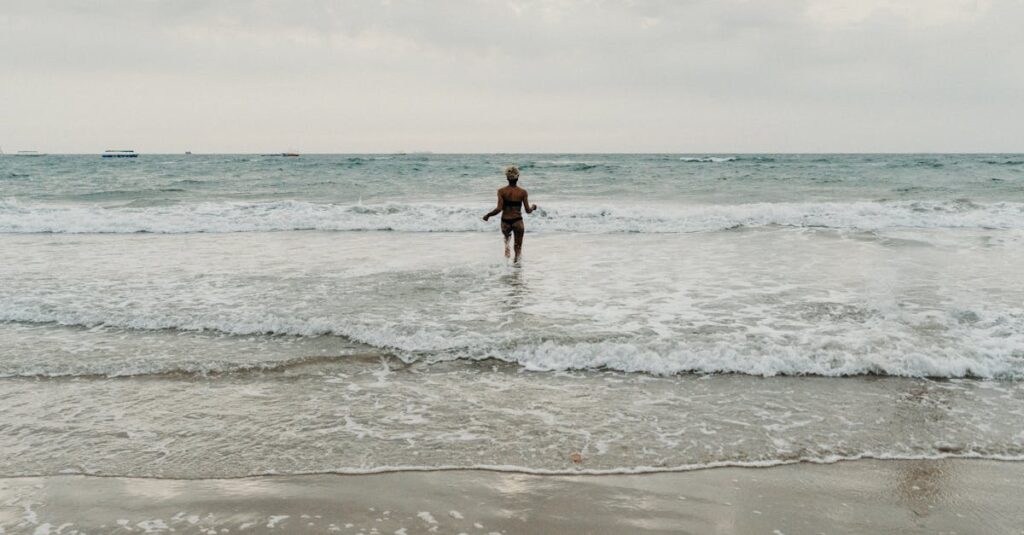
[{"x": 505, "y": 76}]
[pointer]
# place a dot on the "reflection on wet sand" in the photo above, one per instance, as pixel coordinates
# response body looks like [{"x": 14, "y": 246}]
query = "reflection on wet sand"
[
  {"x": 923, "y": 485},
  {"x": 963, "y": 496}
]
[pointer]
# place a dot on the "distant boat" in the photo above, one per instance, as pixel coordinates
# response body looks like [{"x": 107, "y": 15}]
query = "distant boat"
[
  {"x": 29, "y": 153},
  {"x": 120, "y": 154},
  {"x": 188, "y": 153},
  {"x": 290, "y": 154}
]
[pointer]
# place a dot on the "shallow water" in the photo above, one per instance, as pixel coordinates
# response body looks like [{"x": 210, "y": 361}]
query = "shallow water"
[
  {"x": 370, "y": 414},
  {"x": 757, "y": 301},
  {"x": 220, "y": 316}
]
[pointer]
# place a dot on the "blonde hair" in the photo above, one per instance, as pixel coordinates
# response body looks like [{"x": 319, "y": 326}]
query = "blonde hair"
[{"x": 512, "y": 171}]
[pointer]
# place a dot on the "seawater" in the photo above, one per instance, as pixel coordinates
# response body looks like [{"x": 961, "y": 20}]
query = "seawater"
[{"x": 227, "y": 315}]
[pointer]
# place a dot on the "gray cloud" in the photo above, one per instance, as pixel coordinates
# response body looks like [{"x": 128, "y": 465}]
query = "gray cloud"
[{"x": 543, "y": 75}]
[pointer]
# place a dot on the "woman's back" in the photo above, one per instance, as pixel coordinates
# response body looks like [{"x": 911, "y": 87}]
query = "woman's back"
[{"x": 512, "y": 200}]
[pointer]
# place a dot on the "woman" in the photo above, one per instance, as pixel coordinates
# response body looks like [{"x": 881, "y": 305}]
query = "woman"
[{"x": 511, "y": 199}]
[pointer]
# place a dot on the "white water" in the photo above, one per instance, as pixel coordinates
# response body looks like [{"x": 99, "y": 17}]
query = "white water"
[
  {"x": 598, "y": 217},
  {"x": 761, "y": 302}
]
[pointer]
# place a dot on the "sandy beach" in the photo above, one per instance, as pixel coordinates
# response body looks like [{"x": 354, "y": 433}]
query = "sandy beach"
[{"x": 871, "y": 496}]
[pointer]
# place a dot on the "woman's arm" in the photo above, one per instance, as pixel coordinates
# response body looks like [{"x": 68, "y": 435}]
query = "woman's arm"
[
  {"x": 526, "y": 203},
  {"x": 496, "y": 211}
]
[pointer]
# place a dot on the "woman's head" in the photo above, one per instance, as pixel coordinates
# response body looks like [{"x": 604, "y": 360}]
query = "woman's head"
[{"x": 512, "y": 174}]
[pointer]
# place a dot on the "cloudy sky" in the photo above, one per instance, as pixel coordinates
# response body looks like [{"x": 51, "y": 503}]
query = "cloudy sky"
[{"x": 507, "y": 76}]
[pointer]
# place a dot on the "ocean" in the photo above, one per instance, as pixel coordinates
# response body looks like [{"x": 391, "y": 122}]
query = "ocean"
[{"x": 217, "y": 316}]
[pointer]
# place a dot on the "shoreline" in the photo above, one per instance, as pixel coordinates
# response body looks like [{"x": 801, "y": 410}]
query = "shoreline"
[
  {"x": 951, "y": 495},
  {"x": 545, "y": 472}
]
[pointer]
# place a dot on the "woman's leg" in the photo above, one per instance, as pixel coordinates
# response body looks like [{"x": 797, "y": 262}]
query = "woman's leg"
[
  {"x": 506, "y": 230},
  {"x": 520, "y": 230}
]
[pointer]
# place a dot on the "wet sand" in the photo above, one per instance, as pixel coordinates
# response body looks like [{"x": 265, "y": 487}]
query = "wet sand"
[{"x": 943, "y": 496}]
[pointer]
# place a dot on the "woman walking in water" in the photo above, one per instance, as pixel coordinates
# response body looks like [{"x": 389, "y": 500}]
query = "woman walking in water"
[{"x": 511, "y": 199}]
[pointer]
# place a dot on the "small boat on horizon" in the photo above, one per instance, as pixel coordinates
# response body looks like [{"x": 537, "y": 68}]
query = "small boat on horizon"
[
  {"x": 29, "y": 153},
  {"x": 119, "y": 154}
]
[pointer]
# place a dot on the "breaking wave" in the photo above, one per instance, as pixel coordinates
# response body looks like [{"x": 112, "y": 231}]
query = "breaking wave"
[
  {"x": 222, "y": 217},
  {"x": 989, "y": 348}
]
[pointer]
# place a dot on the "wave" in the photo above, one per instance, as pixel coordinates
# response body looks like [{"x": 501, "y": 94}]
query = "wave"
[
  {"x": 570, "y": 165},
  {"x": 217, "y": 217},
  {"x": 990, "y": 347},
  {"x": 191, "y": 369},
  {"x": 709, "y": 159},
  {"x": 576, "y": 471},
  {"x": 129, "y": 194},
  {"x": 900, "y": 360}
]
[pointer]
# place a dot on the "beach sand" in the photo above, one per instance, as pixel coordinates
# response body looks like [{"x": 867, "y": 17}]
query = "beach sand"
[{"x": 868, "y": 496}]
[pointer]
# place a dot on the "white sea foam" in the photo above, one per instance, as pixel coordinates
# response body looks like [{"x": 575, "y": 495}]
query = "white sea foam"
[
  {"x": 829, "y": 359},
  {"x": 778, "y": 303},
  {"x": 991, "y": 349},
  {"x": 623, "y": 470},
  {"x": 216, "y": 217}
]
